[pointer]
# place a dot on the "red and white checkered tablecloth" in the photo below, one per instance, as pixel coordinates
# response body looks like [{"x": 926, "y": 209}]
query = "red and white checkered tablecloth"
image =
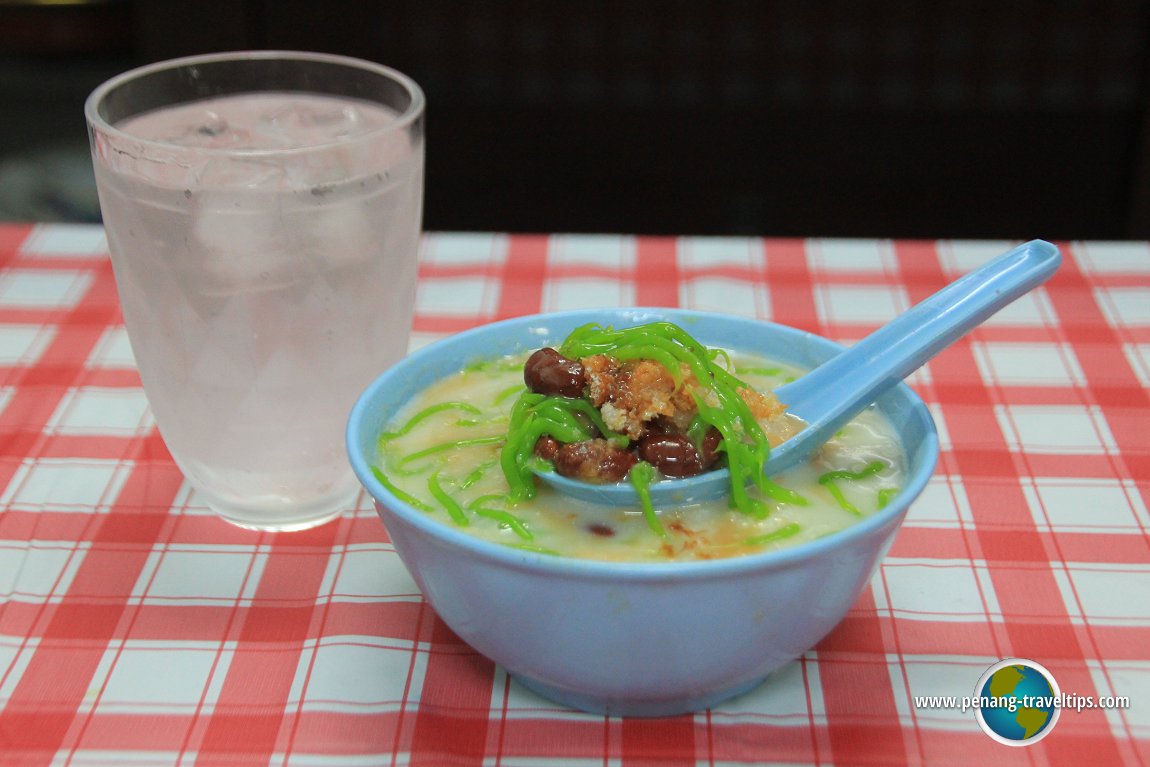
[{"x": 138, "y": 629}]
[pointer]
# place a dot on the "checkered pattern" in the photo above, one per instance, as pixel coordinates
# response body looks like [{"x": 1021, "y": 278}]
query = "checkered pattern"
[{"x": 138, "y": 629}]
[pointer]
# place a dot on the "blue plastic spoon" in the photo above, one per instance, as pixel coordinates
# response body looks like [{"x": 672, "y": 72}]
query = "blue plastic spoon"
[{"x": 829, "y": 396}]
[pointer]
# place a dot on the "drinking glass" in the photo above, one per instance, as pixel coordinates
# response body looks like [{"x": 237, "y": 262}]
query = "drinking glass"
[{"x": 263, "y": 216}]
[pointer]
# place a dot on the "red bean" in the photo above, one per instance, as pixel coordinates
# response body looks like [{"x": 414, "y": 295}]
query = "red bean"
[
  {"x": 672, "y": 454},
  {"x": 708, "y": 450},
  {"x": 594, "y": 460},
  {"x": 549, "y": 372},
  {"x": 546, "y": 447}
]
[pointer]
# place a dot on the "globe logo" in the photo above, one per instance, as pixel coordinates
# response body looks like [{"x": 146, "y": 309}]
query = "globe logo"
[{"x": 1017, "y": 702}]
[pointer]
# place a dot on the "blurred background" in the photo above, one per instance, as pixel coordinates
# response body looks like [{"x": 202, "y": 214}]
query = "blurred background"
[{"x": 904, "y": 118}]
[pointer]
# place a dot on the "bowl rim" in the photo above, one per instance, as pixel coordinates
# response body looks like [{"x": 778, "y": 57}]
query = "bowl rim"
[{"x": 447, "y": 534}]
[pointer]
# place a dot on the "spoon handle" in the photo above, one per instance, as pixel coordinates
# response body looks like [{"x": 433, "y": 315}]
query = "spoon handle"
[{"x": 899, "y": 348}]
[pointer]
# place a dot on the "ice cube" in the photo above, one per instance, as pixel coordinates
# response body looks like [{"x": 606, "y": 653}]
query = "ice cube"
[
  {"x": 236, "y": 249},
  {"x": 212, "y": 125},
  {"x": 240, "y": 172},
  {"x": 306, "y": 123},
  {"x": 208, "y": 129}
]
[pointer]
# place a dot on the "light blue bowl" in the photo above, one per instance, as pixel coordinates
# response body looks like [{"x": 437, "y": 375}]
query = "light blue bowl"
[{"x": 638, "y": 639}]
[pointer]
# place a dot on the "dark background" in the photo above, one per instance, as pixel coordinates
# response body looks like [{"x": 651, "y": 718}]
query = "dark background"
[{"x": 782, "y": 117}]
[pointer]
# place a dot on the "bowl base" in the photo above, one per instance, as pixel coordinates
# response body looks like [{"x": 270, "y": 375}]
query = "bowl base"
[{"x": 637, "y": 707}]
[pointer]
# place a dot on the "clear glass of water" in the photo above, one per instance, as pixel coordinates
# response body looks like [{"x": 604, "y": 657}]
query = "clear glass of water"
[{"x": 263, "y": 214}]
